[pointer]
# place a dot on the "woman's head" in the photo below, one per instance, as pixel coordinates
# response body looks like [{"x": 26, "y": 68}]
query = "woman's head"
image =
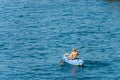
[{"x": 74, "y": 49}]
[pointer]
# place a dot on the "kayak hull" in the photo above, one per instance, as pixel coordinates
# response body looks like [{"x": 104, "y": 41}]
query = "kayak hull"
[{"x": 77, "y": 61}]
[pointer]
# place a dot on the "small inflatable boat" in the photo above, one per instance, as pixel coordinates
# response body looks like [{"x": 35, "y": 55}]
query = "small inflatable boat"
[{"x": 77, "y": 61}]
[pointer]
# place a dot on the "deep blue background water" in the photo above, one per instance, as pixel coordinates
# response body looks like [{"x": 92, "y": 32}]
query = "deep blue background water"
[{"x": 34, "y": 34}]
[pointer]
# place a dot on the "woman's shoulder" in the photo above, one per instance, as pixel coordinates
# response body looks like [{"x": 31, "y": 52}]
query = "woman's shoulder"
[{"x": 74, "y": 52}]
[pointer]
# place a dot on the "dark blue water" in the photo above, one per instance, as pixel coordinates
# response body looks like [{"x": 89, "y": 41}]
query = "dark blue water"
[{"x": 34, "y": 34}]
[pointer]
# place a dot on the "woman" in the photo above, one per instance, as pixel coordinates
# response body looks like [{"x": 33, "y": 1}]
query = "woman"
[{"x": 73, "y": 54}]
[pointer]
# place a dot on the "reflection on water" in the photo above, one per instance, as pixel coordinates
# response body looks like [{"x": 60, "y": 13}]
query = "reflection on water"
[{"x": 73, "y": 70}]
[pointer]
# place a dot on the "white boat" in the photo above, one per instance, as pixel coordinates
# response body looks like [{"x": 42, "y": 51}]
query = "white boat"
[{"x": 72, "y": 62}]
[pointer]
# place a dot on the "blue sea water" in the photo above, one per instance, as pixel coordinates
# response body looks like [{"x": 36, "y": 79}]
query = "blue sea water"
[{"x": 34, "y": 35}]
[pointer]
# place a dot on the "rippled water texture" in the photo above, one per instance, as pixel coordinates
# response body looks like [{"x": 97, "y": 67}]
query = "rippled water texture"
[{"x": 34, "y": 35}]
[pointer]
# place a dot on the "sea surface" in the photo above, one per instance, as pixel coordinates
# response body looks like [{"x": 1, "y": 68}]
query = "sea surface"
[{"x": 34, "y": 35}]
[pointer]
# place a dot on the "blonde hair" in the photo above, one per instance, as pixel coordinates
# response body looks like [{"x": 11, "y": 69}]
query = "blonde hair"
[{"x": 74, "y": 49}]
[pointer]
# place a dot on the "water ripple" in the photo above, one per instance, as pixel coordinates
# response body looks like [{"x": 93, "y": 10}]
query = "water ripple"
[{"x": 34, "y": 38}]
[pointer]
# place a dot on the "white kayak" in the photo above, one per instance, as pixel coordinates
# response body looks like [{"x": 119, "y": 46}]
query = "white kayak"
[{"x": 72, "y": 62}]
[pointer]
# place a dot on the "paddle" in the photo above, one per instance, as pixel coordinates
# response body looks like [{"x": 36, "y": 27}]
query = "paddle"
[{"x": 62, "y": 61}]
